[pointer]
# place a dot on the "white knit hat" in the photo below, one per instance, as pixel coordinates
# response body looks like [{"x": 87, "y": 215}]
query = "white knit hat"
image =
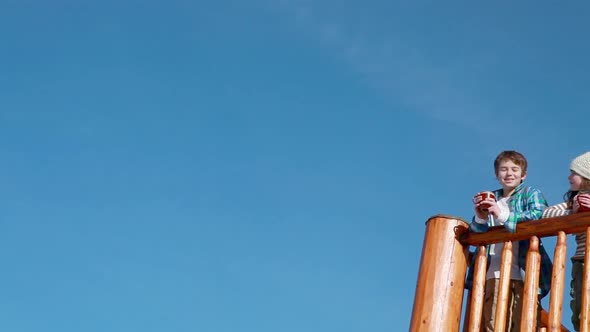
[{"x": 581, "y": 165}]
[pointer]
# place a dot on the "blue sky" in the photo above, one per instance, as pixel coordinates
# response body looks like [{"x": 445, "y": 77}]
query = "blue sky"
[{"x": 263, "y": 165}]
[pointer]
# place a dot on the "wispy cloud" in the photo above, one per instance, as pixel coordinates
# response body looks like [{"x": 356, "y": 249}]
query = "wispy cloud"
[{"x": 397, "y": 69}]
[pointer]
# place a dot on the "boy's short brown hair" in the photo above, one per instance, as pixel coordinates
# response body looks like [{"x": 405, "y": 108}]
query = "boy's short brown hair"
[{"x": 514, "y": 156}]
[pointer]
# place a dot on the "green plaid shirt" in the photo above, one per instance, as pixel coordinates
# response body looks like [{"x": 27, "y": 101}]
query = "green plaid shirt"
[{"x": 526, "y": 203}]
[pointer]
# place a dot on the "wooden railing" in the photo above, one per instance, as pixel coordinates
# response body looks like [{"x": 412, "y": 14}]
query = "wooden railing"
[{"x": 440, "y": 285}]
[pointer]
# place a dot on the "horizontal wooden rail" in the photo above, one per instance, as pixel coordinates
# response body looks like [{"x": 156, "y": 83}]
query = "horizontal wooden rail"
[{"x": 574, "y": 223}]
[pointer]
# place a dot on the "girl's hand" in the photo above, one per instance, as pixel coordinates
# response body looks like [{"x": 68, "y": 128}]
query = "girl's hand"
[
  {"x": 583, "y": 202},
  {"x": 575, "y": 205}
]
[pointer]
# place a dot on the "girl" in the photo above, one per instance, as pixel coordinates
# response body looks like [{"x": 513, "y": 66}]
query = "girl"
[{"x": 577, "y": 199}]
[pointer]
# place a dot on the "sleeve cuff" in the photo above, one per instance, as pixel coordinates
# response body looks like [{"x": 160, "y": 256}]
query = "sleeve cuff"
[
  {"x": 503, "y": 216},
  {"x": 480, "y": 221}
]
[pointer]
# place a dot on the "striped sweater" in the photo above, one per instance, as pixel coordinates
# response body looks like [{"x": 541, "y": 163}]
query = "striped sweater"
[{"x": 564, "y": 209}]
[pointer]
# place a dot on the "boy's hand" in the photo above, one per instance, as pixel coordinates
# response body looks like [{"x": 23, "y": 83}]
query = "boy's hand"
[
  {"x": 485, "y": 207},
  {"x": 494, "y": 209}
]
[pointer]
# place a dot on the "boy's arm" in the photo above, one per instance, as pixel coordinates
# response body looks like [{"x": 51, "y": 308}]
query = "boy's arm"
[
  {"x": 478, "y": 225},
  {"x": 535, "y": 204}
]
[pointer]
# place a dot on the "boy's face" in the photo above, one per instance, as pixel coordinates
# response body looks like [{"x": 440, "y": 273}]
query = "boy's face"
[{"x": 509, "y": 175}]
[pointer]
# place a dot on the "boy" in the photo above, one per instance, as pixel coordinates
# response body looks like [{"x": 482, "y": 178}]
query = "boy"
[{"x": 515, "y": 203}]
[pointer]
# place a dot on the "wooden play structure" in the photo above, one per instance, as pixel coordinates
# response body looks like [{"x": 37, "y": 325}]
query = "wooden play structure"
[{"x": 438, "y": 301}]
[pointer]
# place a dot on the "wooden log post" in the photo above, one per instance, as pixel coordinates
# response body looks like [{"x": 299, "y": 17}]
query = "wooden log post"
[
  {"x": 501, "y": 317},
  {"x": 556, "y": 299},
  {"x": 441, "y": 277},
  {"x": 528, "y": 321},
  {"x": 475, "y": 310}
]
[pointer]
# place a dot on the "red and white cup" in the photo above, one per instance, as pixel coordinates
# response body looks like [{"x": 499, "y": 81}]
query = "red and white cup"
[{"x": 482, "y": 196}]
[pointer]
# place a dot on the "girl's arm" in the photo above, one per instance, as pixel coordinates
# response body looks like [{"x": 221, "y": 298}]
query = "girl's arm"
[{"x": 558, "y": 210}]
